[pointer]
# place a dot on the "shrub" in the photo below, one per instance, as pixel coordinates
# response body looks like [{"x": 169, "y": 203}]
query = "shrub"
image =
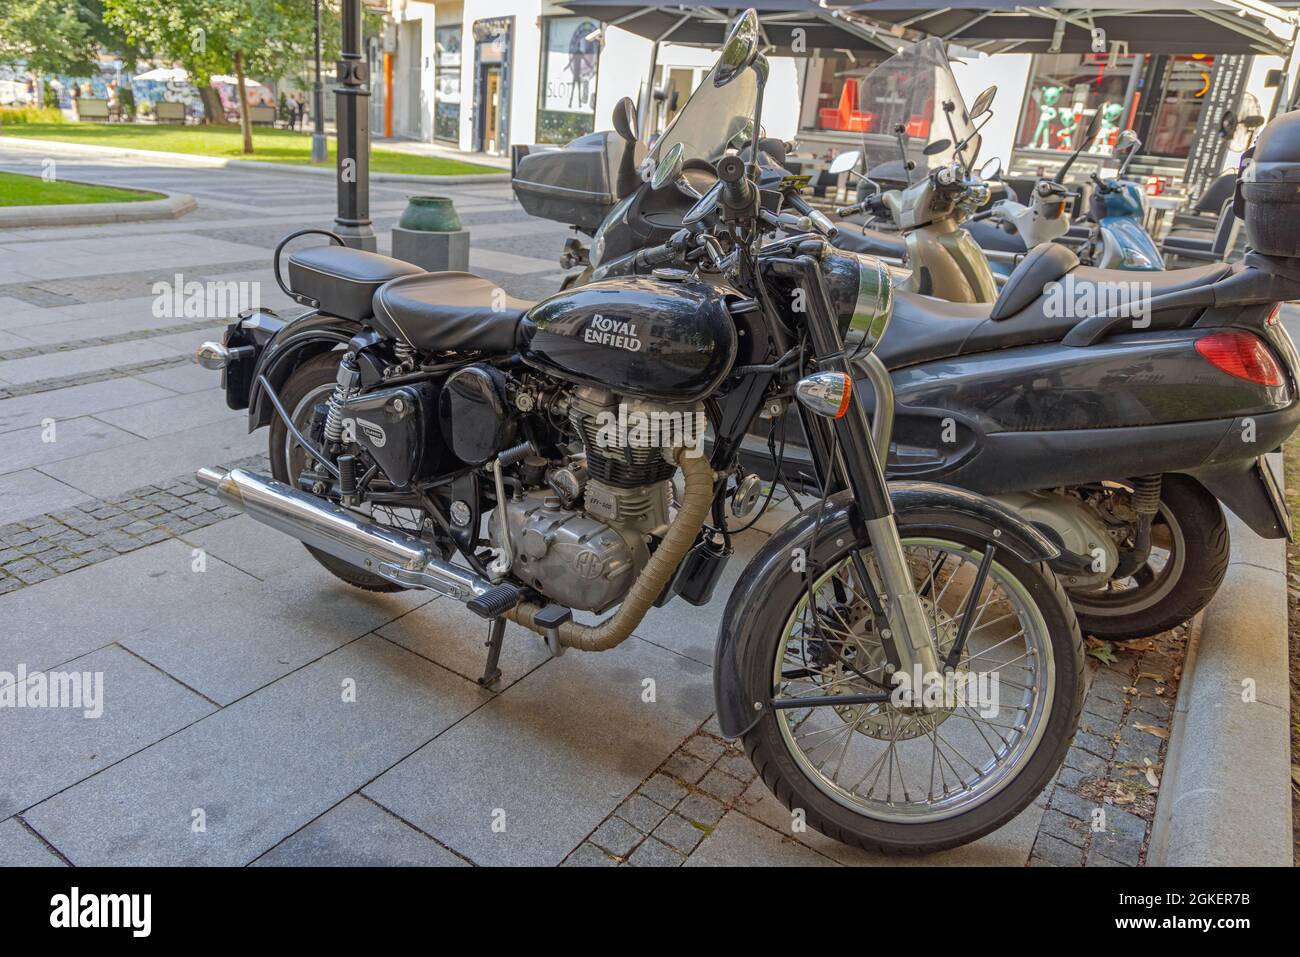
[{"x": 18, "y": 115}]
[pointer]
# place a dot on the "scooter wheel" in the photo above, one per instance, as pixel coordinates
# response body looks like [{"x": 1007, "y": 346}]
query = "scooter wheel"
[{"x": 1190, "y": 557}]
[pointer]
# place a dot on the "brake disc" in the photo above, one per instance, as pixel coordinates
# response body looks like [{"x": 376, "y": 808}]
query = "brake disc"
[{"x": 885, "y": 720}]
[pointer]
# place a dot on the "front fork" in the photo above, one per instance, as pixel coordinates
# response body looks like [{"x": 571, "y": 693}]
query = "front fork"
[{"x": 859, "y": 465}]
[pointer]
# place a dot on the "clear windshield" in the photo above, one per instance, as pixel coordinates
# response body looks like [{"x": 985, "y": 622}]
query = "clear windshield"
[
  {"x": 917, "y": 91},
  {"x": 713, "y": 119}
]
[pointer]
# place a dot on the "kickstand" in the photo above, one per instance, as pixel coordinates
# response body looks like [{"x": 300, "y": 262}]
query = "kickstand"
[{"x": 491, "y": 673}]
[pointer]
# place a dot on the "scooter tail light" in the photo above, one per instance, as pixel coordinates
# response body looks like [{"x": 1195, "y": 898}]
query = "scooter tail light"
[{"x": 1242, "y": 355}]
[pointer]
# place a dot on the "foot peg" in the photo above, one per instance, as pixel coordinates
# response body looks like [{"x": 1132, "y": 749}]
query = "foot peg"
[
  {"x": 551, "y": 618},
  {"x": 496, "y": 601}
]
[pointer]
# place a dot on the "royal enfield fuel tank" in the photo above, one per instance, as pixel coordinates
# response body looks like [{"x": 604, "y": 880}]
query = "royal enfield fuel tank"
[{"x": 666, "y": 340}]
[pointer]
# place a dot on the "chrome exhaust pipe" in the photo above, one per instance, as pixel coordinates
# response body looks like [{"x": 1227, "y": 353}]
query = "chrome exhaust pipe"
[{"x": 388, "y": 553}]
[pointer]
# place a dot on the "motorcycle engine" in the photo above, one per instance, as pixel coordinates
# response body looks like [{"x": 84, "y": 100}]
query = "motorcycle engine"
[{"x": 584, "y": 536}]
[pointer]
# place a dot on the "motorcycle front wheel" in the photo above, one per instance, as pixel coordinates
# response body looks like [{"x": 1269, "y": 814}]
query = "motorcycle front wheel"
[{"x": 895, "y": 778}]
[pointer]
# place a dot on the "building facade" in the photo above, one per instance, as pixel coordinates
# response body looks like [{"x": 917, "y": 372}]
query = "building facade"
[{"x": 483, "y": 75}]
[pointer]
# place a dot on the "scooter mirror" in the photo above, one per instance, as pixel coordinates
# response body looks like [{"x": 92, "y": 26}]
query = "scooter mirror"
[
  {"x": 668, "y": 169},
  {"x": 625, "y": 119},
  {"x": 739, "y": 49},
  {"x": 843, "y": 162},
  {"x": 992, "y": 169},
  {"x": 1127, "y": 142},
  {"x": 983, "y": 102}
]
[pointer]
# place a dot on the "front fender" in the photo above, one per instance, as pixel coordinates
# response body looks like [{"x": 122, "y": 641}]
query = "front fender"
[
  {"x": 298, "y": 341},
  {"x": 918, "y": 504}
]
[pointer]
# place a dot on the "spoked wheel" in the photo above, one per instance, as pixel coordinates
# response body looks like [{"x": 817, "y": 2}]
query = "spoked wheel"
[
  {"x": 934, "y": 773},
  {"x": 309, "y": 386},
  {"x": 1189, "y": 557}
]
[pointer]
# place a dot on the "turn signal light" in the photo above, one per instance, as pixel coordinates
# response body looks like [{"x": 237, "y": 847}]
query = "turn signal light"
[
  {"x": 825, "y": 393},
  {"x": 1242, "y": 355}
]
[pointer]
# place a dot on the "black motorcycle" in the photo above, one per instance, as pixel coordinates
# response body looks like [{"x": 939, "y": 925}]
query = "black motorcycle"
[
  {"x": 1116, "y": 425},
  {"x": 897, "y": 661}
]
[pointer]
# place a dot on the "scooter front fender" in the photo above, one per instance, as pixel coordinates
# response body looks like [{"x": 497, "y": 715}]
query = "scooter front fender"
[
  {"x": 936, "y": 507},
  {"x": 1126, "y": 245}
]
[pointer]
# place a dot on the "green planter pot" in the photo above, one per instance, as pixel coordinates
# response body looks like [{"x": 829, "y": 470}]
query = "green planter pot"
[{"x": 430, "y": 214}]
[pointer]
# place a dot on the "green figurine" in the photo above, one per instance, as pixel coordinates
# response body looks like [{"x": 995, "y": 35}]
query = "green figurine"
[
  {"x": 1046, "y": 97},
  {"x": 1109, "y": 127},
  {"x": 1069, "y": 120}
]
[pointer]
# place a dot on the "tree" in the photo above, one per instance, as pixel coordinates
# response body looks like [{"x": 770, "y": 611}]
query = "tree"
[
  {"x": 264, "y": 38},
  {"x": 50, "y": 36}
]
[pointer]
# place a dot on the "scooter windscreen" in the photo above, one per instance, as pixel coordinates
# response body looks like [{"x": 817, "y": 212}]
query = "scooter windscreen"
[{"x": 914, "y": 90}]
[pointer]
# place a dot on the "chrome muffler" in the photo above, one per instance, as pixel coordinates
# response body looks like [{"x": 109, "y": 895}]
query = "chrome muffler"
[{"x": 388, "y": 553}]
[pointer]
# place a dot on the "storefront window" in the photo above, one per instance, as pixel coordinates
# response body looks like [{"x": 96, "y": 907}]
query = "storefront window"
[
  {"x": 566, "y": 106},
  {"x": 831, "y": 94},
  {"x": 446, "y": 96},
  {"x": 1186, "y": 81},
  {"x": 1065, "y": 90}
]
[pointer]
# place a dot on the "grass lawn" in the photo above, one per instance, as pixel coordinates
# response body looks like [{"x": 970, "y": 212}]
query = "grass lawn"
[
  {"x": 19, "y": 190},
  {"x": 269, "y": 145}
]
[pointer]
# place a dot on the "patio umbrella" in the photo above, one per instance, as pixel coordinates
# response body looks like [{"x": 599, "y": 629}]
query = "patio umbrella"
[
  {"x": 234, "y": 80},
  {"x": 165, "y": 74},
  {"x": 705, "y": 24},
  {"x": 1065, "y": 26}
]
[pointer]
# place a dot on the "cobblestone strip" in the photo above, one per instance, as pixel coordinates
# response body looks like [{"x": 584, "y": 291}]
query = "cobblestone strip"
[
  {"x": 1122, "y": 736},
  {"x": 93, "y": 531},
  {"x": 1100, "y": 810},
  {"x": 673, "y": 810},
  {"x": 42, "y": 350},
  {"x": 85, "y": 378},
  {"x": 70, "y": 291}
]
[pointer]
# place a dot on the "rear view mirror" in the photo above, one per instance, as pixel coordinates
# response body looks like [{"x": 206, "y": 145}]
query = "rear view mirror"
[
  {"x": 1127, "y": 142},
  {"x": 739, "y": 50},
  {"x": 843, "y": 162},
  {"x": 991, "y": 170},
  {"x": 668, "y": 168},
  {"x": 984, "y": 102},
  {"x": 625, "y": 119}
]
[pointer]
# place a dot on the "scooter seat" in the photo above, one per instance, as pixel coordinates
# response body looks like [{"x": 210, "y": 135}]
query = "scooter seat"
[
  {"x": 924, "y": 329},
  {"x": 449, "y": 312},
  {"x": 871, "y": 242}
]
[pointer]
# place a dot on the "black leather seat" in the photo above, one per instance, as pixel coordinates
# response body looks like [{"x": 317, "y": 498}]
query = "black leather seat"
[
  {"x": 871, "y": 242},
  {"x": 449, "y": 312},
  {"x": 924, "y": 329},
  {"x": 343, "y": 280}
]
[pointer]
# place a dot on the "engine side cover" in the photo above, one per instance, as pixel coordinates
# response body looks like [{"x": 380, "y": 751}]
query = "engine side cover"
[
  {"x": 652, "y": 338},
  {"x": 572, "y": 559}
]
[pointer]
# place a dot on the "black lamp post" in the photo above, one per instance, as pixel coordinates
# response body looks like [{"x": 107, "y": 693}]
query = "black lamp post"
[
  {"x": 352, "y": 99},
  {"x": 319, "y": 151}
]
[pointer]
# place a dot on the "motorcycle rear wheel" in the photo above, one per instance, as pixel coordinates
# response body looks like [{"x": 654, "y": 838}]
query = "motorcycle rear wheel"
[
  {"x": 932, "y": 807},
  {"x": 307, "y": 386}
]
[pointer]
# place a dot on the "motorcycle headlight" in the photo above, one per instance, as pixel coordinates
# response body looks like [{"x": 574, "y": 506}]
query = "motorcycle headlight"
[
  {"x": 873, "y": 305},
  {"x": 863, "y": 296}
]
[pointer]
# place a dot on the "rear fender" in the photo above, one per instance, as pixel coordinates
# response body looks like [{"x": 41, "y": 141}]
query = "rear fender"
[
  {"x": 307, "y": 336},
  {"x": 919, "y": 503},
  {"x": 1250, "y": 493}
]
